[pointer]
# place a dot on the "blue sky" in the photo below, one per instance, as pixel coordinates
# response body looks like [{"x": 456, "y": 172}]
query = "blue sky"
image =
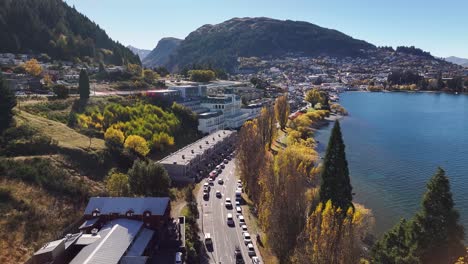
[{"x": 440, "y": 27}]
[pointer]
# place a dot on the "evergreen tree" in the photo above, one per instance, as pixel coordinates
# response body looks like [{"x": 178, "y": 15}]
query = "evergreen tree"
[
  {"x": 336, "y": 185},
  {"x": 437, "y": 234},
  {"x": 83, "y": 85},
  {"x": 7, "y": 102}
]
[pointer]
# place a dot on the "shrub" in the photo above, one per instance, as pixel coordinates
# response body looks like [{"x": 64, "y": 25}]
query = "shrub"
[
  {"x": 114, "y": 138},
  {"x": 117, "y": 184},
  {"x": 61, "y": 91},
  {"x": 137, "y": 145},
  {"x": 148, "y": 178}
]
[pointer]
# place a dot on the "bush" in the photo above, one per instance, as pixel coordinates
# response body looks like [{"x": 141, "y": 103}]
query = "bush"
[
  {"x": 137, "y": 145},
  {"x": 114, "y": 138},
  {"x": 147, "y": 178},
  {"x": 61, "y": 91}
]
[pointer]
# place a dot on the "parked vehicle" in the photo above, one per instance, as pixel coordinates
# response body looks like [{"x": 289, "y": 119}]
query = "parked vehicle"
[
  {"x": 241, "y": 219},
  {"x": 247, "y": 238},
  {"x": 178, "y": 258},
  {"x": 225, "y": 161},
  {"x": 218, "y": 194},
  {"x": 244, "y": 227},
  {"x": 220, "y": 181},
  {"x": 251, "y": 249},
  {"x": 238, "y": 255},
  {"x": 208, "y": 240},
  {"x": 255, "y": 260},
  {"x": 238, "y": 209}
]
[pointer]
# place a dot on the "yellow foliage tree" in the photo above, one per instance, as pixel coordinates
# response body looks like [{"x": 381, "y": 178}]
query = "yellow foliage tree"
[
  {"x": 32, "y": 67},
  {"x": 137, "y": 145},
  {"x": 282, "y": 110},
  {"x": 313, "y": 97},
  {"x": 47, "y": 80},
  {"x": 114, "y": 137},
  {"x": 134, "y": 69},
  {"x": 117, "y": 184}
]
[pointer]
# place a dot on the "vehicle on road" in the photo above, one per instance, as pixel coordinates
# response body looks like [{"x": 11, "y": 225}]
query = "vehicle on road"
[
  {"x": 238, "y": 255},
  {"x": 230, "y": 220},
  {"x": 213, "y": 174},
  {"x": 206, "y": 187},
  {"x": 255, "y": 260},
  {"x": 225, "y": 161},
  {"x": 241, "y": 219},
  {"x": 247, "y": 238},
  {"x": 228, "y": 203},
  {"x": 238, "y": 209},
  {"x": 237, "y": 203},
  {"x": 178, "y": 258},
  {"x": 238, "y": 195},
  {"x": 244, "y": 227},
  {"x": 210, "y": 182},
  {"x": 222, "y": 165},
  {"x": 208, "y": 240},
  {"x": 206, "y": 195},
  {"x": 218, "y": 194},
  {"x": 251, "y": 249},
  {"x": 220, "y": 181}
]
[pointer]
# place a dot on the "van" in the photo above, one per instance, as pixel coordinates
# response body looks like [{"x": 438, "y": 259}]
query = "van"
[{"x": 178, "y": 258}]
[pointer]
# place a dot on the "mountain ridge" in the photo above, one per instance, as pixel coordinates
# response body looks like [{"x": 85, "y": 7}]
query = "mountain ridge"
[
  {"x": 142, "y": 53},
  {"x": 160, "y": 55},
  {"x": 457, "y": 60}
]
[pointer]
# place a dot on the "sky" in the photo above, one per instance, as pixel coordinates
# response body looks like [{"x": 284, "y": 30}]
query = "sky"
[{"x": 440, "y": 27}]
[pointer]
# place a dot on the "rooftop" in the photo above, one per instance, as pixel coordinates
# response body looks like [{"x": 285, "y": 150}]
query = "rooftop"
[{"x": 121, "y": 205}]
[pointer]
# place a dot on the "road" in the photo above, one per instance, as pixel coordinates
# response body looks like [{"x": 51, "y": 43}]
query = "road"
[{"x": 213, "y": 215}]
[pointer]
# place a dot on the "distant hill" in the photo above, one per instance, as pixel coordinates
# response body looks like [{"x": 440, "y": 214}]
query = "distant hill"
[
  {"x": 142, "y": 53},
  {"x": 53, "y": 27},
  {"x": 220, "y": 45},
  {"x": 160, "y": 55},
  {"x": 457, "y": 60}
]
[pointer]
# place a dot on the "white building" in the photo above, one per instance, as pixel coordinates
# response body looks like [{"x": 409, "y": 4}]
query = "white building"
[
  {"x": 210, "y": 122},
  {"x": 230, "y": 105}
]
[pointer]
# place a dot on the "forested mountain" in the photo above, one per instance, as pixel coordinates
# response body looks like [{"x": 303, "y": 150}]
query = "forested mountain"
[
  {"x": 142, "y": 53},
  {"x": 220, "y": 45},
  {"x": 159, "y": 56},
  {"x": 53, "y": 27}
]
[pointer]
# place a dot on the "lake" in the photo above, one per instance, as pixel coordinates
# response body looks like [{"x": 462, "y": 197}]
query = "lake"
[{"x": 394, "y": 144}]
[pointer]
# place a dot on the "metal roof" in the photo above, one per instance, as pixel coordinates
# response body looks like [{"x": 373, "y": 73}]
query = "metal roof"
[
  {"x": 88, "y": 223},
  {"x": 121, "y": 205},
  {"x": 139, "y": 245},
  {"x": 133, "y": 260},
  {"x": 115, "y": 239}
]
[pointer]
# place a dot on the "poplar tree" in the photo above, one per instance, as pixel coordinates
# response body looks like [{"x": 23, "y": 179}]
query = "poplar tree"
[
  {"x": 83, "y": 85},
  {"x": 7, "y": 103},
  {"x": 336, "y": 185}
]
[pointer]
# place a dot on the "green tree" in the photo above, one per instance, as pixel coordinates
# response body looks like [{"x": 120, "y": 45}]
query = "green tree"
[
  {"x": 202, "y": 75},
  {"x": 437, "y": 233},
  {"x": 336, "y": 185},
  {"x": 148, "y": 178},
  {"x": 61, "y": 91},
  {"x": 83, "y": 85},
  {"x": 117, "y": 184},
  {"x": 7, "y": 103}
]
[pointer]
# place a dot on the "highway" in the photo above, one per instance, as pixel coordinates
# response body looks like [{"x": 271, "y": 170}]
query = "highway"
[{"x": 213, "y": 219}]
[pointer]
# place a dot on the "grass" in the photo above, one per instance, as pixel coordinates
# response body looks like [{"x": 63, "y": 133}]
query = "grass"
[
  {"x": 65, "y": 136},
  {"x": 57, "y": 110}
]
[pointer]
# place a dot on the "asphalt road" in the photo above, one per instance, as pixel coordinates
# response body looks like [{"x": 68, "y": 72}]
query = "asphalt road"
[{"x": 213, "y": 219}]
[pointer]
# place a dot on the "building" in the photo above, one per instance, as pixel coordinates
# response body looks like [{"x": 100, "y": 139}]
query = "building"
[
  {"x": 189, "y": 91},
  {"x": 196, "y": 160},
  {"x": 115, "y": 230},
  {"x": 210, "y": 122},
  {"x": 230, "y": 105}
]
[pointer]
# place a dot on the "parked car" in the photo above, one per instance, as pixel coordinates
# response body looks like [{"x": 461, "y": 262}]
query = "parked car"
[
  {"x": 222, "y": 166},
  {"x": 208, "y": 240},
  {"x": 238, "y": 209},
  {"x": 238, "y": 255},
  {"x": 225, "y": 161},
  {"x": 241, "y": 219},
  {"x": 255, "y": 260},
  {"x": 218, "y": 194},
  {"x": 244, "y": 227},
  {"x": 220, "y": 181},
  {"x": 206, "y": 195},
  {"x": 178, "y": 258},
  {"x": 247, "y": 238},
  {"x": 251, "y": 249}
]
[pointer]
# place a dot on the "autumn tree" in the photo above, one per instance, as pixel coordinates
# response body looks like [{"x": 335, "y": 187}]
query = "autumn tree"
[
  {"x": 33, "y": 67},
  {"x": 114, "y": 138},
  {"x": 436, "y": 229},
  {"x": 282, "y": 110},
  {"x": 134, "y": 69},
  {"x": 137, "y": 145},
  {"x": 7, "y": 103},
  {"x": 250, "y": 153},
  {"x": 150, "y": 76},
  {"x": 266, "y": 125},
  {"x": 117, "y": 184},
  {"x": 313, "y": 97},
  {"x": 336, "y": 185},
  {"x": 147, "y": 178},
  {"x": 83, "y": 85}
]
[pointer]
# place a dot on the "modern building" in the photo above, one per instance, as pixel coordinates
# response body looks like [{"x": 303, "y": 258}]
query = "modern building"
[
  {"x": 210, "y": 122},
  {"x": 189, "y": 91},
  {"x": 230, "y": 106},
  {"x": 195, "y": 160},
  {"x": 115, "y": 230}
]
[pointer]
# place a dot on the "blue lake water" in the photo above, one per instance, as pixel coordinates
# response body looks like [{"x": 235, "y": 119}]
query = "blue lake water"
[{"x": 395, "y": 142}]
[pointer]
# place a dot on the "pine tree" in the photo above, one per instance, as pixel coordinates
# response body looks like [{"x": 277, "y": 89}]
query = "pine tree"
[
  {"x": 437, "y": 234},
  {"x": 7, "y": 103},
  {"x": 83, "y": 85},
  {"x": 336, "y": 185}
]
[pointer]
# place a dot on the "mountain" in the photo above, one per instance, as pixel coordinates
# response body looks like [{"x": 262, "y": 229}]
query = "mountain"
[
  {"x": 457, "y": 60},
  {"x": 220, "y": 45},
  {"x": 55, "y": 28},
  {"x": 142, "y": 53},
  {"x": 160, "y": 55}
]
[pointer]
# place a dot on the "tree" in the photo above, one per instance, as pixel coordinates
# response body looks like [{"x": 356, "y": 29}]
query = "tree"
[
  {"x": 137, "y": 145},
  {"x": 313, "y": 97},
  {"x": 134, "y": 69},
  {"x": 266, "y": 125},
  {"x": 83, "y": 85},
  {"x": 61, "y": 91},
  {"x": 436, "y": 230},
  {"x": 114, "y": 138},
  {"x": 7, "y": 103},
  {"x": 336, "y": 185},
  {"x": 33, "y": 67},
  {"x": 150, "y": 76},
  {"x": 282, "y": 110},
  {"x": 117, "y": 184},
  {"x": 148, "y": 178},
  {"x": 47, "y": 80},
  {"x": 201, "y": 75}
]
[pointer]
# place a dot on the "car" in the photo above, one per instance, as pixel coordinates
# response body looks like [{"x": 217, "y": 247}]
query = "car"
[
  {"x": 213, "y": 174},
  {"x": 218, "y": 167},
  {"x": 241, "y": 219},
  {"x": 222, "y": 166},
  {"x": 238, "y": 255},
  {"x": 230, "y": 220},
  {"x": 228, "y": 203},
  {"x": 237, "y": 203},
  {"x": 244, "y": 227},
  {"x": 251, "y": 249},
  {"x": 220, "y": 181},
  {"x": 247, "y": 238},
  {"x": 211, "y": 182},
  {"x": 238, "y": 209},
  {"x": 206, "y": 196},
  {"x": 255, "y": 260},
  {"x": 218, "y": 194},
  {"x": 239, "y": 182},
  {"x": 206, "y": 186},
  {"x": 219, "y": 171},
  {"x": 225, "y": 161},
  {"x": 178, "y": 258},
  {"x": 208, "y": 240}
]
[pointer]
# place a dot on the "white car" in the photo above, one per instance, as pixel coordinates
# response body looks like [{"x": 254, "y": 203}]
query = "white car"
[
  {"x": 255, "y": 260},
  {"x": 247, "y": 238},
  {"x": 241, "y": 219},
  {"x": 237, "y": 203},
  {"x": 244, "y": 227},
  {"x": 238, "y": 209},
  {"x": 251, "y": 249},
  {"x": 228, "y": 203},
  {"x": 230, "y": 220}
]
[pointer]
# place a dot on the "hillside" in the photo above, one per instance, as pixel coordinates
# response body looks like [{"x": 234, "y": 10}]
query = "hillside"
[
  {"x": 142, "y": 53},
  {"x": 54, "y": 28},
  {"x": 221, "y": 44},
  {"x": 159, "y": 56},
  {"x": 457, "y": 60}
]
